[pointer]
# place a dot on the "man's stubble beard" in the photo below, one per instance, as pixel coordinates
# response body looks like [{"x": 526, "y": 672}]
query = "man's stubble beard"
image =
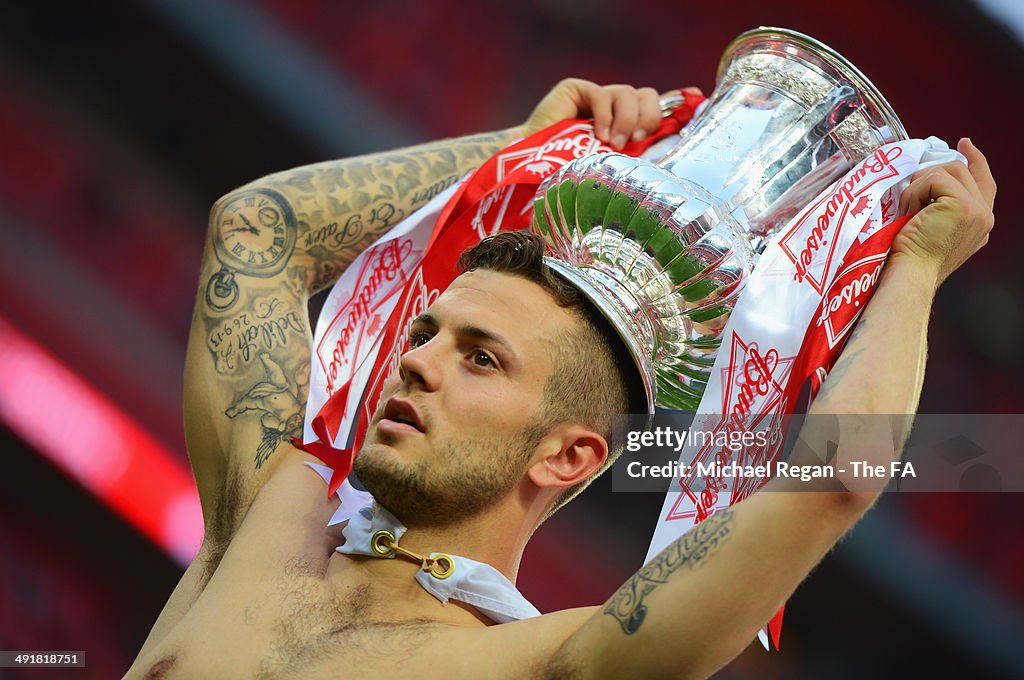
[{"x": 464, "y": 478}]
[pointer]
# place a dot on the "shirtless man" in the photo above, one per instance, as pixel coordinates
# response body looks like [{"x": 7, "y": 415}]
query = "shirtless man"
[{"x": 268, "y": 596}]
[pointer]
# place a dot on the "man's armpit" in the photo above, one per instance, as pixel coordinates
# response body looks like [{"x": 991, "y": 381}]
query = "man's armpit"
[{"x": 561, "y": 667}]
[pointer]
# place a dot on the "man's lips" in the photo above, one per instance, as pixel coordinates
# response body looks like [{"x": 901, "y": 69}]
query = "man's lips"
[{"x": 400, "y": 415}]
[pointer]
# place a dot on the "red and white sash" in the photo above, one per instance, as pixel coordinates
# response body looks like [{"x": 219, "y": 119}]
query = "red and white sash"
[{"x": 801, "y": 302}]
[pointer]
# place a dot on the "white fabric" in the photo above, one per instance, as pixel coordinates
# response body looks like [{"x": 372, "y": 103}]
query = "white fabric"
[
  {"x": 474, "y": 583},
  {"x": 349, "y": 332}
]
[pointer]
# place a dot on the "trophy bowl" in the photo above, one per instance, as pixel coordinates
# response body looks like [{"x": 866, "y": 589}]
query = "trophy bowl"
[{"x": 664, "y": 248}]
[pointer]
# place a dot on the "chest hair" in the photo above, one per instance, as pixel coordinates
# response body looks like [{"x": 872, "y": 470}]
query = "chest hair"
[{"x": 314, "y": 625}]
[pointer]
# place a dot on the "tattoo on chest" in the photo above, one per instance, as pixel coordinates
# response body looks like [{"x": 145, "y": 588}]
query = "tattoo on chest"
[{"x": 691, "y": 551}]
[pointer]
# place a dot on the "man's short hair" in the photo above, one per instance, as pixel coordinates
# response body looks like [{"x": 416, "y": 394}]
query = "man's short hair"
[{"x": 594, "y": 375}]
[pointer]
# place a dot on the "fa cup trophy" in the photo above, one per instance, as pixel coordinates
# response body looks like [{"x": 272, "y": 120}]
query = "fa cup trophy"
[{"x": 665, "y": 248}]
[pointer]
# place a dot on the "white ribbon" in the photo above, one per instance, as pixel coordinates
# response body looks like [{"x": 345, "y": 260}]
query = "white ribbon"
[
  {"x": 351, "y": 324},
  {"x": 474, "y": 583}
]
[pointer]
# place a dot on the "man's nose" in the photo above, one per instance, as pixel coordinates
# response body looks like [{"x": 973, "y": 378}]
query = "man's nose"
[{"x": 419, "y": 366}]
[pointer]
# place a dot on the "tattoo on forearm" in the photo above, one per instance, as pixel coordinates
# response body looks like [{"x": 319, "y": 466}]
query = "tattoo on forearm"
[
  {"x": 279, "y": 404},
  {"x": 341, "y": 206},
  {"x": 329, "y": 209},
  {"x": 306, "y": 224},
  {"x": 335, "y": 236},
  {"x": 428, "y": 193},
  {"x": 253, "y": 234},
  {"x": 260, "y": 350},
  {"x": 690, "y": 551},
  {"x": 237, "y": 340},
  {"x": 847, "y": 358}
]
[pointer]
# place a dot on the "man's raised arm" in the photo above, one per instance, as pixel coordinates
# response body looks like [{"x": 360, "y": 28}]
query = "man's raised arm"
[
  {"x": 699, "y": 602},
  {"x": 275, "y": 241}
]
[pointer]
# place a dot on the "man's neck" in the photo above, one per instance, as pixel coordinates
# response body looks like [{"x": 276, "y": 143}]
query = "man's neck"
[
  {"x": 496, "y": 537},
  {"x": 490, "y": 538}
]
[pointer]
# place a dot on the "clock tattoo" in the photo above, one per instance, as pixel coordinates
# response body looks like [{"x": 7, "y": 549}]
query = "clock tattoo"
[{"x": 254, "y": 235}]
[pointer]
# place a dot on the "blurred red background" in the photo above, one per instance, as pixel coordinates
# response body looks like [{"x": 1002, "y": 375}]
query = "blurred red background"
[{"x": 122, "y": 122}]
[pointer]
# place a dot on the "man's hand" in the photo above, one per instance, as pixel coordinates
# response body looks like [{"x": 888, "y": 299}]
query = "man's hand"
[
  {"x": 882, "y": 367},
  {"x": 955, "y": 218},
  {"x": 620, "y": 112}
]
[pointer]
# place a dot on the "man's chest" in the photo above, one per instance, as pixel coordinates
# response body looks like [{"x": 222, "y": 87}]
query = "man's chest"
[
  {"x": 291, "y": 624},
  {"x": 303, "y": 625},
  {"x": 261, "y": 605}
]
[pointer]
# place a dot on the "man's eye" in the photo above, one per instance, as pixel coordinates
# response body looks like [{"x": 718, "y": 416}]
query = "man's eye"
[
  {"x": 481, "y": 358},
  {"x": 418, "y": 339}
]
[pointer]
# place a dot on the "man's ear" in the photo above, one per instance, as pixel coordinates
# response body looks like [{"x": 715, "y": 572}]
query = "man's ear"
[{"x": 569, "y": 455}]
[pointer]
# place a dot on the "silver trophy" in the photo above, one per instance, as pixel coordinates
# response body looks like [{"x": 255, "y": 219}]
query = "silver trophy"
[{"x": 664, "y": 249}]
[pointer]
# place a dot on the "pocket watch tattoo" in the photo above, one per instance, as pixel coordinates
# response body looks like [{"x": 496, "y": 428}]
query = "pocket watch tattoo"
[{"x": 253, "y": 234}]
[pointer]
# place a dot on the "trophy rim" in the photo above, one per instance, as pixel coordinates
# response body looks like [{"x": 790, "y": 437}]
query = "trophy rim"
[
  {"x": 577, "y": 279},
  {"x": 828, "y": 56}
]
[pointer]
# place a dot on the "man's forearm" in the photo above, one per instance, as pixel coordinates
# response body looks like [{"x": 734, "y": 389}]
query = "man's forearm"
[
  {"x": 680, "y": 609},
  {"x": 341, "y": 207},
  {"x": 875, "y": 385},
  {"x": 881, "y": 369}
]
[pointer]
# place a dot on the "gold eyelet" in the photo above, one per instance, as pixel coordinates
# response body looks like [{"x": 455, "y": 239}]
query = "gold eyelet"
[
  {"x": 383, "y": 543},
  {"x": 441, "y": 566}
]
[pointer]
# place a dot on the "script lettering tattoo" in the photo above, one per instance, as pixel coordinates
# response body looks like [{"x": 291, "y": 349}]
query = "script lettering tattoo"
[
  {"x": 343, "y": 206},
  {"x": 221, "y": 345},
  {"x": 690, "y": 551},
  {"x": 336, "y": 236},
  {"x": 238, "y": 341},
  {"x": 428, "y": 193}
]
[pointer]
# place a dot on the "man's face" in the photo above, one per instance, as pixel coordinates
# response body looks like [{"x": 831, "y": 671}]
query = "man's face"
[{"x": 458, "y": 423}]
